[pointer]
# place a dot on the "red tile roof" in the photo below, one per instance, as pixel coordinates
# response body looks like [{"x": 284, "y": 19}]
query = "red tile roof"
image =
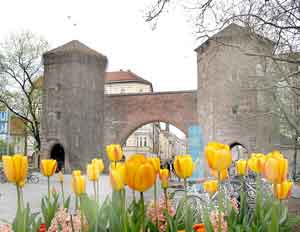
[
  {"x": 124, "y": 76},
  {"x": 111, "y": 77}
]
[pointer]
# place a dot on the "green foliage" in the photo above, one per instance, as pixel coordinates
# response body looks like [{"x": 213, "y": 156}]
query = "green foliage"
[
  {"x": 184, "y": 218},
  {"x": 25, "y": 221},
  {"x": 66, "y": 203},
  {"x": 269, "y": 215},
  {"x": 49, "y": 208}
]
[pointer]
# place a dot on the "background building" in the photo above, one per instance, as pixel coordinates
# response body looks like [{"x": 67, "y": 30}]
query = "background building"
[
  {"x": 170, "y": 145},
  {"x": 145, "y": 138}
]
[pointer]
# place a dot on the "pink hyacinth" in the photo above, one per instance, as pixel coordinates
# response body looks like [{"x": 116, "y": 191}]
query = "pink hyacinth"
[
  {"x": 6, "y": 228},
  {"x": 161, "y": 206},
  {"x": 214, "y": 219},
  {"x": 235, "y": 204},
  {"x": 62, "y": 220}
]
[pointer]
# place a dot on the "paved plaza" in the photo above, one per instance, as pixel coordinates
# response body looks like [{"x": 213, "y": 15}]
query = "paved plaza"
[{"x": 33, "y": 194}]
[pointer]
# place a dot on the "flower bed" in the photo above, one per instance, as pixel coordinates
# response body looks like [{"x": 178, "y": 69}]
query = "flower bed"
[{"x": 139, "y": 173}]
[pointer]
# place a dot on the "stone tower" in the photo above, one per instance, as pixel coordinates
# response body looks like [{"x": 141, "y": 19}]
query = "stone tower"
[
  {"x": 232, "y": 105},
  {"x": 73, "y": 105}
]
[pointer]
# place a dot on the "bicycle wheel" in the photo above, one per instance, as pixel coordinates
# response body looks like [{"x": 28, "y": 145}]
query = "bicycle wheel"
[{"x": 34, "y": 179}]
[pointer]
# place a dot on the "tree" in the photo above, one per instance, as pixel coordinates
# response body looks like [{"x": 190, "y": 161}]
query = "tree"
[
  {"x": 20, "y": 66},
  {"x": 276, "y": 20}
]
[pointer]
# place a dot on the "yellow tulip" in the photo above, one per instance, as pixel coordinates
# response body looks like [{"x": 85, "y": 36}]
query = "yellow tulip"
[
  {"x": 156, "y": 163},
  {"x": 92, "y": 171},
  {"x": 275, "y": 154},
  {"x": 210, "y": 186},
  {"x": 256, "y": 162},
  {"x": 116, "y": 179},
  {"x": 218, "y": 156},
  {"x": 241, "y": 167},
  {"x": 140, "y": 173},
  {"x": 60, "y": 177},
  {"x": 114, "y": 152},
  {"x": 21, "y": 184},
  {"x": 122, "y": 170},
  {"x": 276, "y": 170},
  {"x": 223, "y": 174},
  {"x": 48, "y": 167},
  {"x": 99, "y": 163},
  {"x": 283, "y": 190},
  {"x": 76, "y": 173},
  {"x": 15, "y": 168},
  {"x": 184, "y": 166},
  {"x": 78, "y": 184},
  {"x": 164, "y": 177}
]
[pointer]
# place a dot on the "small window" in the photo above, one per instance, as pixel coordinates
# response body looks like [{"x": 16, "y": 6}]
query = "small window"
[
  {"x": 122, "y": 90},
  {"x": 141, "y": 142},
  {"x": 259, "y": 70},
  {"x": 58, "y": 87},
  {"x": 58, "y": 115},
  {"x": 141, "y": 90},
  {"x": 145, "y": 142}
]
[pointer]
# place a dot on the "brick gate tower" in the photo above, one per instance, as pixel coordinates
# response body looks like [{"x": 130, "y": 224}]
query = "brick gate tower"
[{"x": 73, "y": 105}]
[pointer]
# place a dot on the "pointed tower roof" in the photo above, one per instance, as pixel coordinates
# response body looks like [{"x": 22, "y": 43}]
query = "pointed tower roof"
[
  {"x": 74, "y": 46},
  {"x": 232, "y": 30}
]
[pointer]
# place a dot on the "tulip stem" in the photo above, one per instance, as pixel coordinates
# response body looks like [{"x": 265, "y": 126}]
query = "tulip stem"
[
  {"x": 76, "y": 203},
  {"x": 185, "y": 189},
  {"x": 219, "y": 200},
  {"x": 166, "y": 198},
  {"x": 275, "y": 190},
  {"x": 143, "y": 212},
  {"x": 155, "y": 204},
  {"x": 95, "y": 190},
  {"x": 133, "y": 194},
  {"x": 81, "y": 216},
  {"x": 19, "y": 197},
  {"x": 62, "y": 193},
  {"x": 123, "y": 207},
  {"x": 48, "y": 181}
]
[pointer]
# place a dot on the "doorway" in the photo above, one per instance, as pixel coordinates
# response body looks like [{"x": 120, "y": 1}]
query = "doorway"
[{"x": 58, "y": 153}]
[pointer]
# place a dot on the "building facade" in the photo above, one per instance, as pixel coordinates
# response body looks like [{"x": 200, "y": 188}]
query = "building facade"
[{"x": 144, "y": 139}]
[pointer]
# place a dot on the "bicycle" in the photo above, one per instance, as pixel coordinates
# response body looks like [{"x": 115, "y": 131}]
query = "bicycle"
[
  {"x": 32, "y": 178},
  {"x": 2, "y": 177}
]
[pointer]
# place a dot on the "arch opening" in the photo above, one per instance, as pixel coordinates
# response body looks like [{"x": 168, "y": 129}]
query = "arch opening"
[
  {"x": 157, "y": 138},
  {"x": 58, "y": 153},
  {"x": 238, "y": 151}
]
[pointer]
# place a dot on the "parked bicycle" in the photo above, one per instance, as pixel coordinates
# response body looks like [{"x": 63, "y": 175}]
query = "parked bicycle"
[
  {"x": 2, "y": 177},
  {"x": 32, "y": 177}
]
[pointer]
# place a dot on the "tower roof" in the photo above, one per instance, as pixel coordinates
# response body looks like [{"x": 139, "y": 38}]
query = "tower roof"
[
  {"x": 74, "y": 46},
  {"x": 232, "y": 30}
]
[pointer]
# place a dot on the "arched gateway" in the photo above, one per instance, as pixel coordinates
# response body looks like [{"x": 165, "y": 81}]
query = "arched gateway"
[
  {"x": 76, "y": 112},
  {"x": 125, "y": 113}
]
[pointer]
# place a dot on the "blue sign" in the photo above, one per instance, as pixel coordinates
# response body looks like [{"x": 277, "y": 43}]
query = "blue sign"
[
  {"x": 3, "y": 116},
  {"x": 196, "y": 146},
  {"x": 4, "y": 122}
]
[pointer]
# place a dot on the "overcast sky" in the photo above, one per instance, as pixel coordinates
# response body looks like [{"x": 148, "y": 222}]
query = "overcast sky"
[{"x": 117, "y": 29}]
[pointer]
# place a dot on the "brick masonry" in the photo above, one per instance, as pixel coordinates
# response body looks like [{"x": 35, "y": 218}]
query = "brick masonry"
[{"x": 227, "y": 104}]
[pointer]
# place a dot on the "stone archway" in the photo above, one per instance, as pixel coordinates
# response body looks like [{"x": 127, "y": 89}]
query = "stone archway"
[
  {"x": 125, "y": 113},
  {"x": 58, "y": 153},
  {"x": 238, "y": 150}
]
